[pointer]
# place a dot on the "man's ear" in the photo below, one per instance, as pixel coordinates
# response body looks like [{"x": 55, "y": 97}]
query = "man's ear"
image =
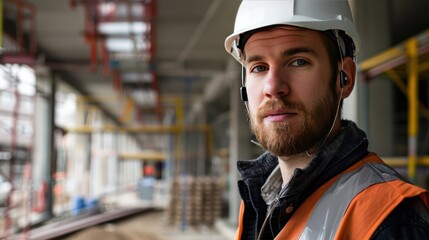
[{"x": 349, "y": 70}]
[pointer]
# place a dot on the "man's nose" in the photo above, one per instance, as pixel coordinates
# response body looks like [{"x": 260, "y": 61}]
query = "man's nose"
[{"x": 276, "y": 84}]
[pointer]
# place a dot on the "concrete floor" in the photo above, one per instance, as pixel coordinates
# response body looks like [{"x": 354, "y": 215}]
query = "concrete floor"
[
  {"x": 147, "y": 226},
  {"x": 142, "y": 219}
]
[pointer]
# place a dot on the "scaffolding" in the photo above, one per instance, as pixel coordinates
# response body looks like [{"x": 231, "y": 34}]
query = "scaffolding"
[
  {"x": 17, "y": 121},
  {"x": 407, "y": 65},
  {"x": 17, "y": 52}
]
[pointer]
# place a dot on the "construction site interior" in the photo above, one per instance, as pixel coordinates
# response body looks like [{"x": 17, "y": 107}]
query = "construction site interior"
[{"x": 122, "y": 119}]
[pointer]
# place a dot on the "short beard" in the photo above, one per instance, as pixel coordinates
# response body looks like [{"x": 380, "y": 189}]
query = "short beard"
[{"x": 283, "y": 139}]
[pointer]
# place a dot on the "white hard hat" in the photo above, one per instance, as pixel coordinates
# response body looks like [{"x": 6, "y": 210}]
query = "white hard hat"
[{"x": 318, "y": 15}]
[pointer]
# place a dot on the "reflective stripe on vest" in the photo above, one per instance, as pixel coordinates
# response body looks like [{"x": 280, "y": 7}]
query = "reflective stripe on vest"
[{"x": 329, "y": 210}]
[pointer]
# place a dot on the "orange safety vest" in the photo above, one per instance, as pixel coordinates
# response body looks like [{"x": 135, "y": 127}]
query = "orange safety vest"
[{"x": 352, "y": 205}]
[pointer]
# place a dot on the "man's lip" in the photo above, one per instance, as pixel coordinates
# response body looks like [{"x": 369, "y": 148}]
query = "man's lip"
[
  {"x": 277, "y": 113},
  {"x": 278, "y": 116}
]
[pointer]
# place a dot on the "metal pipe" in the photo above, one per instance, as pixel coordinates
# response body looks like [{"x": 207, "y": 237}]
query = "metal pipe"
[
  {"x": 155, "y": 87},
  {"x": 91, "y": 33},
  {"x": 19, "y": 27},
  {"x": 150, "y": 14},
  {"x": 33, "y": 41},
  {"x": 413, "y": 75}
]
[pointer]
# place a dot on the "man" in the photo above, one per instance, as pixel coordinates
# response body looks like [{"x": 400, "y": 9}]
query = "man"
[{"x": 317, "y": 179}]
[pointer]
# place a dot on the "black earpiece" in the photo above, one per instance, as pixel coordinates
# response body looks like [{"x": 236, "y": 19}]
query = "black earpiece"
[
  {"x": 343, "y": 79},
  {"x": 243, "y": 94}
]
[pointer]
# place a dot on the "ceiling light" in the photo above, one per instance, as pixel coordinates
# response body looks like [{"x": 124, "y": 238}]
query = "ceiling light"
[
  {"x": 116, "y": 44},
  {"x": 120, "y": 44},
  {"x": 123, "y": 28},
  {"x": 107, "y": 8}
]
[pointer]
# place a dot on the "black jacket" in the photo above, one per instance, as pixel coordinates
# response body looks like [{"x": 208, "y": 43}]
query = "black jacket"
[{"x": 407, "y": 221}]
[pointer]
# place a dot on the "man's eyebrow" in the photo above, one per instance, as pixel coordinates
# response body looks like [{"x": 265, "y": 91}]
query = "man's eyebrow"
[
  {"x": 253, "y": 58},
  {"x": 293, "y": 51},
  {"x": 286, "y": 53}
]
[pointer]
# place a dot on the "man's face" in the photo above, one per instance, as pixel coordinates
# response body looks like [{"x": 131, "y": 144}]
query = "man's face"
[{"x": 292, "y": 102}]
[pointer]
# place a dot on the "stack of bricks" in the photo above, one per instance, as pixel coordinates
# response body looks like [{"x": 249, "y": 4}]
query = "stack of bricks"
[
  {"x": 217, "y": 198},
  {"x": 172, "y": 208},
  {"x": 195, "y": 201}
]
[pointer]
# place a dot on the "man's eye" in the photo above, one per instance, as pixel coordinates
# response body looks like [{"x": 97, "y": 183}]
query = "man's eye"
[
  {"x": 299, "y": 62},
  {"x": 259, "y": 68}
]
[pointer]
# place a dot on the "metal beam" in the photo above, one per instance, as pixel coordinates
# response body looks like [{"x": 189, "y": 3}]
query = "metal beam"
[
  {"x": 147, "y": 155},
  {"x": 403, "y": 161},
  {"x": 393, "y": 57}
]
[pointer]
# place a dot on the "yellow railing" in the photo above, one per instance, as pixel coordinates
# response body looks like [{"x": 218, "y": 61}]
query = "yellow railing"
[{"x": 383, "y": 63}]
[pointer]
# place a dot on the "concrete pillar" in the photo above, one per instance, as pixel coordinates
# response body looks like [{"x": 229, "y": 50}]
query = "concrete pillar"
[
  {"x": 40, "y": 132},
  {"x": 376, "y": 98},
  {"x": 51, "y": 164},
  {"x": 239, "y": 148},
  {"x": 44, "y": 164}
]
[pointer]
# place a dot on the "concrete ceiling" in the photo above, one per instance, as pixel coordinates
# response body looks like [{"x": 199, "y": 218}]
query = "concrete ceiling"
[{"x": 189, "y": 48}]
